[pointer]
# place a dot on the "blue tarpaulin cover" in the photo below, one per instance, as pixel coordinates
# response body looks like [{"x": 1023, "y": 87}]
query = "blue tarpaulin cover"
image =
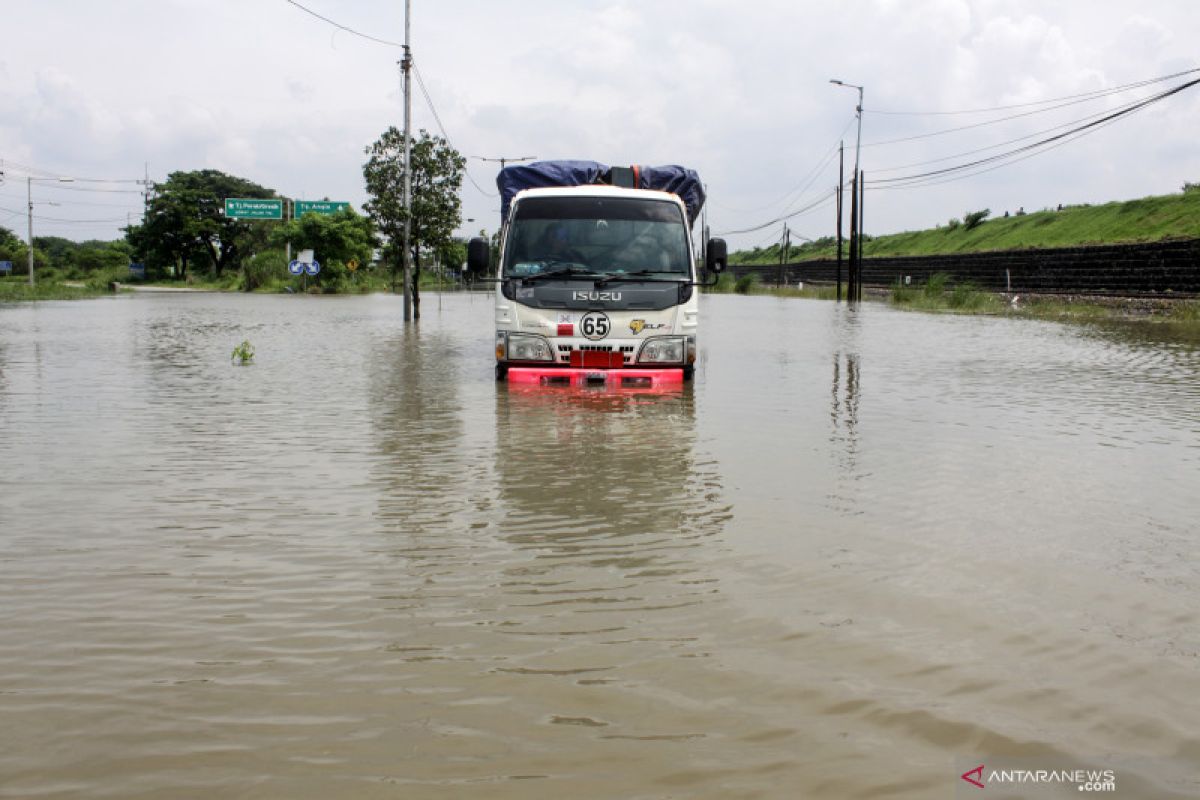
[{"x": 675, "y": 179}]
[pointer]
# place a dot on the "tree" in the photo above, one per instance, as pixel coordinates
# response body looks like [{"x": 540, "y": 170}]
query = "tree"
[
  {"x": 185, "y": 221},
  {"x": 334, "y": 238},
  {"x": 437, "y": 171}
]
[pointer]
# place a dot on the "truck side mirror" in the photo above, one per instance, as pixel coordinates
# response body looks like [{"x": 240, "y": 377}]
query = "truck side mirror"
[
  {"x": 716, "y": 256},
  {"x": 478, "y": 255}
]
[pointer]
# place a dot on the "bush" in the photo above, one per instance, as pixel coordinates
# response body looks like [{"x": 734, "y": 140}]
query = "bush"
[
  {"x": 953, "y": 223},
  {"x": 746, "y": 283},
  {"x": 973, "y": 219},
  {"x": 902, "y": 293},
  {"x": 966, "y": 296},
  {"x": 724, "y": 284},
  {"x": 936, "y": 285},
  {"x": 264, "y": 270}
]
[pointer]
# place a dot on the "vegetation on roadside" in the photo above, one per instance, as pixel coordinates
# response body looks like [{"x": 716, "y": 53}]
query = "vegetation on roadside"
[
  {"x": 1148, "y": 219},
  {"x": 940, "y": 295}
]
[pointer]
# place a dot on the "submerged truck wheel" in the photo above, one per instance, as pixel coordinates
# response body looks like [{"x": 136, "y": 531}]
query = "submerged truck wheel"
[{"x": 501, "y": 372}]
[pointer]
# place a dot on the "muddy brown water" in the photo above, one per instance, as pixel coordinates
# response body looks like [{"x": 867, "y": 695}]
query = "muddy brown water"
[{"x": 864, "y": 552}]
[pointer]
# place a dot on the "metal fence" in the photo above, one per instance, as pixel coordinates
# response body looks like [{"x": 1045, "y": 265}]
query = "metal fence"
[{"x": 1159, "y": 268}]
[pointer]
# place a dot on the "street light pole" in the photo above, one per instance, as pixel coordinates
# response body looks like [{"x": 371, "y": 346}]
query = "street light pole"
[
  {"x": 29, "y": 199},
  {"x": 855, "y": 233}
]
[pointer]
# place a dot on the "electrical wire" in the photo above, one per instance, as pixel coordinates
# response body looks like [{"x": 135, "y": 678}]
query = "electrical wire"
[
  {"x": 917, "y": 184},
  {"x": 814, "y": 206},
  {"x": 442, "y": 128},
  {"x": 809, "y": 177},
  {"x": 340, "y": 26},
  {"x": 1131, "y": 109},
  {"x": 63, "y": 219},
  {"x": 1009, "y": 141},
  {"x": 972, "y": 126},
  {"x": 1092, "y": 94}
]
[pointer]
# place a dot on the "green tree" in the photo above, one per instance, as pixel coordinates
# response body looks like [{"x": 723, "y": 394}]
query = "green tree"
[
  {"x": 437, "y": 170},
  {"x": 185, "y": 222},
  {"x": 334, "y": 238}
]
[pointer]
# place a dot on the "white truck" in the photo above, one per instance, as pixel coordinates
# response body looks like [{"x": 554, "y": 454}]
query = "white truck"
[{"x": 597, "y": 275}]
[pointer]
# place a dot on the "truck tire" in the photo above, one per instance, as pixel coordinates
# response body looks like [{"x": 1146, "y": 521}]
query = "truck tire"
[
  {"x": 688, "y": 372},
  {"x": 501, "y": 372}
]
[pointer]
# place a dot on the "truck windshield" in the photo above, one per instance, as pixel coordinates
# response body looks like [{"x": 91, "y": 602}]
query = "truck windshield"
[{"x": 610, "y": 236}]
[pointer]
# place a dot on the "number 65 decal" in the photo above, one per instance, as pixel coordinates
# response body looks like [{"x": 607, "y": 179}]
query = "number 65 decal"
[{"x": 595, "y": 325}]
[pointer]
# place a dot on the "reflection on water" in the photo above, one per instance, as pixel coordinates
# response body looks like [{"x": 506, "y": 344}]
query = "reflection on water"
[{"x": 864, "y": 546}]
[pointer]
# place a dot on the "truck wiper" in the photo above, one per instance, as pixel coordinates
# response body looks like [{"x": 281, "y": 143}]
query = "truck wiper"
[
  {"x": 561, "y": 272},
  {"x": 641, "y": 274}
]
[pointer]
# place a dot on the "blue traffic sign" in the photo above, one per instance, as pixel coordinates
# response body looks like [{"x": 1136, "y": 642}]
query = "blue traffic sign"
[
  {"x": 6, "y": 266},
  {"x": 299, "y": 267}
]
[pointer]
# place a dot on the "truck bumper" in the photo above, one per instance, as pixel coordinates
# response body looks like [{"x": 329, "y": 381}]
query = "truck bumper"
[{"x": 598, "y": 378}]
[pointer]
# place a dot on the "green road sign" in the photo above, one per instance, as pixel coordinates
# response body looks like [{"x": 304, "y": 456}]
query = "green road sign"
[
  {"x": 302, "y": 207},
  {"x": 253, "y": 208}
]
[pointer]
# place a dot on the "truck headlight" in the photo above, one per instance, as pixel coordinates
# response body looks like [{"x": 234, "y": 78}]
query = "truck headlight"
[
  {"x": 523, "y": 347},
  {"x": 663, "y": 350}
]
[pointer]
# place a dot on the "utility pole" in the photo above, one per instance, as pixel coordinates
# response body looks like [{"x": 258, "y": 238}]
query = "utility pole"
[
  {"x": 406, "y": 65},
  {"x": 783, "y": 254},
  {"x": 855, "y": 243},
  {"x": 841, "y": 182},
  {"x": 29, "y": 198},
  {"x": 862, "y": 205},
  {"x": 850, "y": 283}
]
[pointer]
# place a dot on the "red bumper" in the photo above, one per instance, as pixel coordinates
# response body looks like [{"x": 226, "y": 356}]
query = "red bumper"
[{"x": 606, "y": 378}]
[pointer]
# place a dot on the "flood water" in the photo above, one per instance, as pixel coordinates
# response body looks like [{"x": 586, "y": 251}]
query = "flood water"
[{"x": 866, "y": 551}]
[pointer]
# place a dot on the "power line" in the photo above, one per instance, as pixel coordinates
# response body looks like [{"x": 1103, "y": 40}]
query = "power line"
[
  {"x": 1067, "y": 124},
  {"x": 62, "y": 219},
  {"x": 805, "y": 182},
  {"x": 1092, "y": 94},
  {"x": 1066, "y": 135},
  {"x": 974, "y": 125},
  {"x": 442, "y": 128},
  {"x": 814, "y": 206},
  {"x": 340, "y": 26}
]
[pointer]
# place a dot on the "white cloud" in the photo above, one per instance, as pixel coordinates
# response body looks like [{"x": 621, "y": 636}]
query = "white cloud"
[{"x": 740, "y": 93}]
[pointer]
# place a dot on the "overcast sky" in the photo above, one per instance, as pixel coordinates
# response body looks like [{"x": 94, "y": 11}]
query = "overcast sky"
[{"x": 738, "y": 91}]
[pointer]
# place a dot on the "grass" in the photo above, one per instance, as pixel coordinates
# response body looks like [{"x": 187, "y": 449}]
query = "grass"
[
  {"x": 18, "y": 290},
  {"x": 938, "y": 295},
  {"x": 1148, "y": 219}
]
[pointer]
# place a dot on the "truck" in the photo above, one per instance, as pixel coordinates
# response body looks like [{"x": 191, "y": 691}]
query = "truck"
[{"x": 597, "y": 275}]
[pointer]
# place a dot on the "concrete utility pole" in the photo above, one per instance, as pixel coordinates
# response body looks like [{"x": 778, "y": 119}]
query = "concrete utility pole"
[
  {"x": 841, "y": 181},
  {"x": 855, "y": 243},
  {"x": 29, "y": 199},
  {"x": 406, "y": 65}
]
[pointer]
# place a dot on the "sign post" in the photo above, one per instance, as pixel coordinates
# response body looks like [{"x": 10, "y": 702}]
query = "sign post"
[{"x": 305, "y": 265}]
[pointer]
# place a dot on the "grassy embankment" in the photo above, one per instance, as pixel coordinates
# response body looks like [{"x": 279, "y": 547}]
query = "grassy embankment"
[{"x": 1149, "y": 219}]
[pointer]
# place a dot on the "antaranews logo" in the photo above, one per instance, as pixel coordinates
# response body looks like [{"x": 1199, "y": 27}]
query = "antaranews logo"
[
  {"x": 1084, "y": 780},
  {"x": 974, "y": 776}
]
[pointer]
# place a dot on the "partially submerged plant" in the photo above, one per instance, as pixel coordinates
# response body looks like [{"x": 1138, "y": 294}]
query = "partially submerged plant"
[{"x": 243, "y": 354}]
